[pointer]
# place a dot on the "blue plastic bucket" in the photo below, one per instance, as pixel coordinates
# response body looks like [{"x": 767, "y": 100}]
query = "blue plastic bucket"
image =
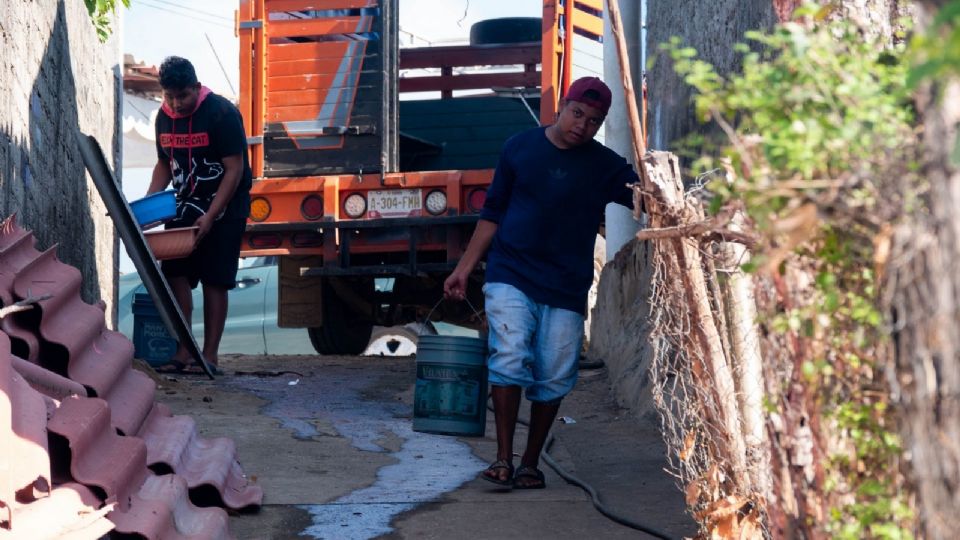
[
  {"x": 151, "y": 341},
  {"x": 451, "y": 391},
  {"x": 155, "y": 208}
]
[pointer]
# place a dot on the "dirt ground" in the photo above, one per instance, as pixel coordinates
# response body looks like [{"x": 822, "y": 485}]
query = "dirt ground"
[{"x": 329, "y": 440}]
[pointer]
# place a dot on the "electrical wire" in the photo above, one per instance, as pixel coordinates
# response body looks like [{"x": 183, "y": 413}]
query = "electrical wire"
[
  {"x": 195, "y": 10},
  {"x": 223, "y": 69},
  {"x": 182, "y": 14},
  {"x": 594, "y": 496}
]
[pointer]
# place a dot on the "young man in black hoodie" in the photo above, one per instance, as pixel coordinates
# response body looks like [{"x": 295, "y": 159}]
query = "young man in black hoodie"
[{"x": 202, "y": 150}]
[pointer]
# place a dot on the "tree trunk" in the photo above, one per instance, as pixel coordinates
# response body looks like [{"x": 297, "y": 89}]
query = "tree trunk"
[
  {"x": 741, "y": 309},
  {"x": 924, "y": 284}
]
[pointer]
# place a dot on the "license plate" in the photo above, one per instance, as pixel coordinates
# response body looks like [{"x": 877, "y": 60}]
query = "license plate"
[{"x": 391, "y": 203}]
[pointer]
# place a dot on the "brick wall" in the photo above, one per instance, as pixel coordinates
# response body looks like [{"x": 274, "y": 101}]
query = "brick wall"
[{"x": 55, "y": 75}]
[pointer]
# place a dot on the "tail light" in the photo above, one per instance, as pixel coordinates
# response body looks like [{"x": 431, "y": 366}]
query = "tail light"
[
  {"x": 307, "y": 239},
  {"x": 436, "y": 202},
  {"x": 311, "y": 208},
  {"x": 355, "y": 205},
  {"x": 476, "y": 199},
  {"x": 259, "y": 209},
  {"x": 265, "y": 240}
]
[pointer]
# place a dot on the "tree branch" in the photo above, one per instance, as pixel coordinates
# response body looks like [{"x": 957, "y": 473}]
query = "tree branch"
[{"x": 22, "y": 305}]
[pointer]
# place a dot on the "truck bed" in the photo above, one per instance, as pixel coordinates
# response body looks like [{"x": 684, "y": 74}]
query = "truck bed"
[{"x": 462, "y": 133}]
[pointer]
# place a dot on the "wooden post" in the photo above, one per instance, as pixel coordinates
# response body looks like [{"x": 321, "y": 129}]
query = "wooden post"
[
  {"x": 705, "y": 347},
  {"x": 746, "y": 358}
]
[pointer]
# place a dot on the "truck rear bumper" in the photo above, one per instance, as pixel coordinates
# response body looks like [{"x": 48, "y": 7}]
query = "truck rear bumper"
[{"x": 374, "y": 247}]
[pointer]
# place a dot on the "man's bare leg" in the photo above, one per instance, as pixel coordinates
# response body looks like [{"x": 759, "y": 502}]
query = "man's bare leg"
[
  {"x": 214, "y": 318},
  {"x": 180, "y": 286},
  {"x": 542, "y": 416},
  {"x": 506, "y": 406}
]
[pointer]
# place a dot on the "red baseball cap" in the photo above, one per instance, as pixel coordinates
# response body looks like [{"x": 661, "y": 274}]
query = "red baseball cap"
[{"x": 590, "y": 91}]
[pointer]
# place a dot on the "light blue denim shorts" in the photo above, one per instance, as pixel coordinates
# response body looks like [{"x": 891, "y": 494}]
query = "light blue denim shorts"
[{"x": 532, "y": 345}]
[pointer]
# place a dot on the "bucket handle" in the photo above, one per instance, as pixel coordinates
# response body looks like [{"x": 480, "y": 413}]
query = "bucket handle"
[{"x": 435, "y": 306}]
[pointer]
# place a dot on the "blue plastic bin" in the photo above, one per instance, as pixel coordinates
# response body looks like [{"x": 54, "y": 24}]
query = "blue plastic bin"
[
  {"x": 155, "y": 208},
  {"x": 151, "y": 341}
]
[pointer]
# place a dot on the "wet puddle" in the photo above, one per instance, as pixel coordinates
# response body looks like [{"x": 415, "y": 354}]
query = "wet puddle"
[{"x": 399, "y": 487}]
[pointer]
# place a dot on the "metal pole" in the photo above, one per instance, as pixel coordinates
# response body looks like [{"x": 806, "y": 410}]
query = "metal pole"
[{"x": 620, "y": 224}]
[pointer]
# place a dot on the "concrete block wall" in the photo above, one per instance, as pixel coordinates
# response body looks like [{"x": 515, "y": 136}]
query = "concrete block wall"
[
  {"x": 58, "y": 77},
  {"x": 620, "y": 328}
]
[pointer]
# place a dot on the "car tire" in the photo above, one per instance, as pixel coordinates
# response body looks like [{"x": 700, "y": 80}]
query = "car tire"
[{"x": 506, "y": 30}]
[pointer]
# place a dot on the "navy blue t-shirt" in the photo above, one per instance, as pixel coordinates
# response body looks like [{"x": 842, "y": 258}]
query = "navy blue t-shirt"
[{"x": 548, "y": 203}]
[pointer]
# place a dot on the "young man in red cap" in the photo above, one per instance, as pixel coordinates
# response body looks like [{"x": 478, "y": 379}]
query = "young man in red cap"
[{"x": 538, "y": 228}]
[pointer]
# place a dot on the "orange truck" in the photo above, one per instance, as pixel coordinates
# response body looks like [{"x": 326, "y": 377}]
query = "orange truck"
[{"x": 371, "y": 161}]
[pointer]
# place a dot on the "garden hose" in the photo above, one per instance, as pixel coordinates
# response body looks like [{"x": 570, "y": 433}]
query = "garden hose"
[{"x": 594, "y": 496}]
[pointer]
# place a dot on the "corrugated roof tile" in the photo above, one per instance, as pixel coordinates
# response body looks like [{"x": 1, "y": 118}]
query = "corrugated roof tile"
[
  {"x": 166, "y": 496},
  {"x": 70, "y": 512},
  {"x": 70, "y": 354},
  {"x": 24, "y": 465},
  {"x": 208, "y": 465},
  {"x": 97, "y": 456}
]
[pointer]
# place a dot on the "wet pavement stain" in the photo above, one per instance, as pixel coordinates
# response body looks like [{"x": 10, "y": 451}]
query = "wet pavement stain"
[{"x": 335, "y": 398}]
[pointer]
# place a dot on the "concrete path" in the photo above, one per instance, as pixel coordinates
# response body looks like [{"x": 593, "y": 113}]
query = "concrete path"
[{"x": 329, "y": 439}]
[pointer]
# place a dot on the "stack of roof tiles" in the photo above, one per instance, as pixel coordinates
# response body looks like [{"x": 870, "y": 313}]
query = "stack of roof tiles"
[{"x": 84, "y": 449}]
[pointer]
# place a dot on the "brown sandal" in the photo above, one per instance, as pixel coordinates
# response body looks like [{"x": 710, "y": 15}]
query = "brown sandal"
[{"x": 529, "y": 478}]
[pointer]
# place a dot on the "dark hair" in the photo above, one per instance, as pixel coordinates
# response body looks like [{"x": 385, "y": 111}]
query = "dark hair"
[{"x": 177, "y": 73}]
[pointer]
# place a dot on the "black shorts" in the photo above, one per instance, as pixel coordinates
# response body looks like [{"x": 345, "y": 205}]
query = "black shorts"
[{"x": 216, "y": 258}]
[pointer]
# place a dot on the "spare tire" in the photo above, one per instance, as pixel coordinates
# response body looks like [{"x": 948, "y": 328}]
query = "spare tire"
[{"x": 505, "y": 30}]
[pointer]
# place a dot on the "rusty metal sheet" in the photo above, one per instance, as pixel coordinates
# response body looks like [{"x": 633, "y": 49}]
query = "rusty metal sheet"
[{"x": 132, "y": 237}]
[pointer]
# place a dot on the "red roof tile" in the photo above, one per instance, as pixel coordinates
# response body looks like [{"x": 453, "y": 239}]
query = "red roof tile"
[{"x": 105, "y": 441}]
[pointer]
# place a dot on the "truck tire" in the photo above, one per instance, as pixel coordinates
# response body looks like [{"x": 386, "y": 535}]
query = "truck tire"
[
  {"x": 344, "y": 331},
  {"x": 506, "y": 30},
  {"x": 336, "y": 340}
]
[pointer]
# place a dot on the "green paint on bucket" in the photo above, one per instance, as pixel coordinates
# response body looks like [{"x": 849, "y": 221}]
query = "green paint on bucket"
[{"x": 451, "y": 392}]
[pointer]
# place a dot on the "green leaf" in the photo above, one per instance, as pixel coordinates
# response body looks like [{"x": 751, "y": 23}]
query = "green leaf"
[
  {"x": 955, "y": 154},
  {"x": 947, "y": 14},
  {"x": 924, "y": 71}
]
